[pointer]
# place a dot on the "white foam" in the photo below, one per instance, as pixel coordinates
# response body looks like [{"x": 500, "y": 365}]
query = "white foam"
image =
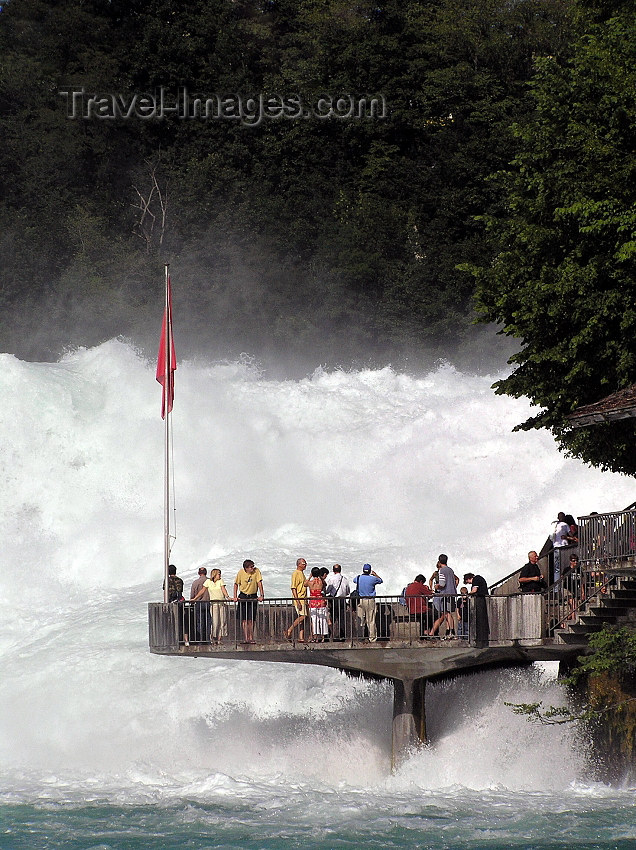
[{"x": 370, "y": 465}]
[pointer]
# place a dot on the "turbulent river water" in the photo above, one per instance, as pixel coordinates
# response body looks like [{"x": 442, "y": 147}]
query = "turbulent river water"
[{"x": 103, "y": 745}]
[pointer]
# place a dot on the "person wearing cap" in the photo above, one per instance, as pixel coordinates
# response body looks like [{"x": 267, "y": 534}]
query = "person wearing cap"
[
  {"x": 366, "y": 583},
  {"x": 202, "y": 610},
  {"x": 446, "y": 591}
]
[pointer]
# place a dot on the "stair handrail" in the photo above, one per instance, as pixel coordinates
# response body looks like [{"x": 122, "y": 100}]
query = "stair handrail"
[
  {"x": 577, "y": 609},
  {"x": 607, "y": 537},
  {"x": 501, "y": 581}
]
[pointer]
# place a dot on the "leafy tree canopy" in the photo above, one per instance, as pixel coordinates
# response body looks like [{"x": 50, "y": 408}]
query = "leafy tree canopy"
[{"x": 562, "y": 279}]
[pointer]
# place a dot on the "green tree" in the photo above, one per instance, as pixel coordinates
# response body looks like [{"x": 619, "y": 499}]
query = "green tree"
[
  {"x": 339, "y": 229},
  {"x": 563, "y": 279},
  {"x": 612, "y": 656}
]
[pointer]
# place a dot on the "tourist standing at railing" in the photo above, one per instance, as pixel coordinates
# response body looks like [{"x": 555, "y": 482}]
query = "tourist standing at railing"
[
  {"x": 436, "y": 603},
  {"x": 175, "y": 594},
  {"x": 559, "y": 540},
  {"x": 299, "y": 592},
  {"x": 216, "y": 592},
  {"x": 478, "y": 593},
  {"x": 366, "y": 584},
  {"x": 201, "y": 612},
  {"x": 317, "y": 606},
  {"x": 323, "y": 572},
  {"x": 463, "y": 614},
  {"x": 572, "y": 536},
  {"x": 175, "y": 585},
  {"x": 248, "y": 587},
  {"x": 445, "y": 597},
  {"x": 568, "y": 570},
  {"x": 572, "y": 583},
  {"x": 415, "y": 595},
  {"x": 530, "y": 578},
  {"x": 198, "y": 583},
  {"x": 338, "y": 589}
]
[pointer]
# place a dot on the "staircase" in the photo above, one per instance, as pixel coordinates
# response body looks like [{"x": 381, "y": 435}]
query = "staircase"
[{"x": 616, "y": 607}]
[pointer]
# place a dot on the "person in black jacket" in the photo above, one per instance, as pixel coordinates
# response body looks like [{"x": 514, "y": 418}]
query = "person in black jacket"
[
  {"x": 530, "y": 579},
  {"x": 478, "y": 593}
]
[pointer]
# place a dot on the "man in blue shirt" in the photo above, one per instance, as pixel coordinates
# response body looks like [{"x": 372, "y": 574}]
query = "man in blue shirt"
[{"x": 366, "y": 606}]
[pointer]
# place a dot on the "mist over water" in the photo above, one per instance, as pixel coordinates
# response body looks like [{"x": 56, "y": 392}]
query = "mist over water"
[{"x": 366, "y": 465}]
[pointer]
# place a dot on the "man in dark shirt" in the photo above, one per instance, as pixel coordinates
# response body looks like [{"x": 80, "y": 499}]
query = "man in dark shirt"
[
  {"x": 479, "y": 592},
  {"x": 175, "y": 585},
  {"x": 530, "y": 578},
  {"x": 175, "y": 594},
  {"x": 477, "y": 584},
  {"x": 201, "y": 608}
]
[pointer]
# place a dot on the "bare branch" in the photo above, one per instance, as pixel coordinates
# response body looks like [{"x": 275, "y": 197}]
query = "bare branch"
[{"x": 151, "y": 205}]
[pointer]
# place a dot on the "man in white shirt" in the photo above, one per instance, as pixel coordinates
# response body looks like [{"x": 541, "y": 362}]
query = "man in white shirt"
[
  {"x": 559, "y": 539},
  {"x": 338, "y": 590}
]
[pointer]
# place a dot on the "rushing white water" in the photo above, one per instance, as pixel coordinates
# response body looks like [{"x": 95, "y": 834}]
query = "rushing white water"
[{"x": 350, "y": 466}]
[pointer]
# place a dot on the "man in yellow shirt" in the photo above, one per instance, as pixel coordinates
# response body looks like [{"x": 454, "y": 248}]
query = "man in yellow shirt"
[
  {"x": 248, "y": 588},
  {"x": 299, "y": 592}
]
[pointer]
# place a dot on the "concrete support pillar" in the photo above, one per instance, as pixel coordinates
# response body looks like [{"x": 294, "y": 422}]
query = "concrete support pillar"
[{"x": 409, "y": 717}]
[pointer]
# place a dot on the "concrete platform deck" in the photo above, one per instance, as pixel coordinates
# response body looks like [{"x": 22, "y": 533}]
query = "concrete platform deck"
[{"x": 429, "y": 659}]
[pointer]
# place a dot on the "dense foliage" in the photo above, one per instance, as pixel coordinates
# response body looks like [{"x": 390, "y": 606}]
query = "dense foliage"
[
  {"x": 563, "y": 277},
  {"x": 339, "y": 233},
  {"x": 613, "y": 652}
]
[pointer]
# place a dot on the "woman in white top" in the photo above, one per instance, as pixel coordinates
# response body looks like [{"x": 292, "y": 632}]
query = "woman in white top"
[{"x": 217, "y": 592}]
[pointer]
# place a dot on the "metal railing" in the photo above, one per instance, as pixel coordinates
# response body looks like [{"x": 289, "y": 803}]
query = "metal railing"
[
  {"x": 348, "y": 622},
  {"x": 603, "y": 539},
  {"x": 573, "y": 594},
  {"x": 336, "y": 621},
  {"x": 608, "y": 537}
]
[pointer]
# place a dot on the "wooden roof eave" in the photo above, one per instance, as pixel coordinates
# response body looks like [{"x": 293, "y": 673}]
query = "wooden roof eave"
[{"x": 582, "y": 420}]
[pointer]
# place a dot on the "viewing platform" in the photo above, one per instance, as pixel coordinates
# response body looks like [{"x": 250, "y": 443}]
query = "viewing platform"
[
  {"x": 517, "y": 636},
  {"x": 522, "y": 627},
  {"x": 517, "y": 633}
]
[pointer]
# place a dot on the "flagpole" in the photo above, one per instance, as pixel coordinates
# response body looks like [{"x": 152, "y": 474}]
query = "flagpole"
[{"x": 166, "y": 472}]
